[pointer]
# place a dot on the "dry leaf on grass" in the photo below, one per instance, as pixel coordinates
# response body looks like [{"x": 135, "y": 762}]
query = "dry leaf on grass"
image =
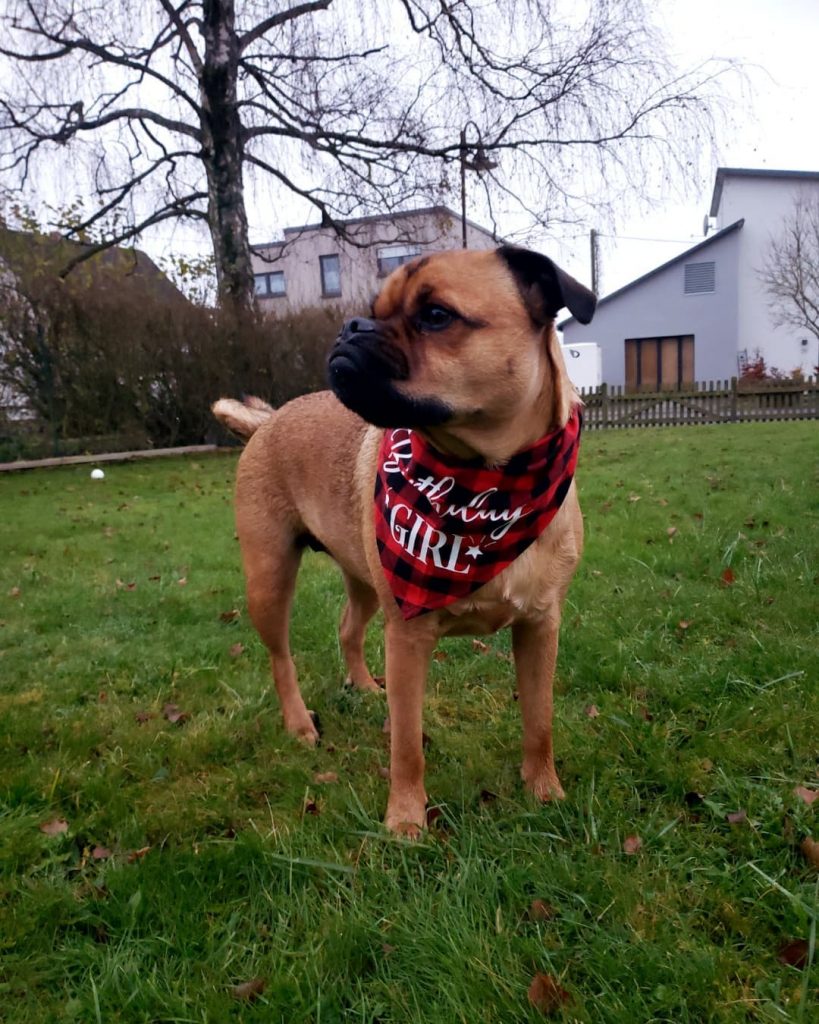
[
  {"x": 174, "y": 714},
  {"x": 671, "y": 531},
  {"x": 632, "y": 844},
  {"x": 546, "y": 994},
  {"x": 480, "y": 646},
  {"x": 540, "y": 910},
  {"x": 794, "y": 953},
  {"x": 736, "y": 817},
  {"x": 592, "y": 711},
  {"x": 727, "y": 577},
  {"x": 14, "y": 592},
  {"x": 439, "y": 655},
  {"x": 248, "y": 990},
  {"x": 236, "y": 650},
  {"x": 144, "y": 716},
  {"x": 321, "y": 777},
  {"x": 810, "y": 851},
  {"x": 230, "y": 616},
  {"x": 100, "y": 853},
  {"x": 55, "y": 827},
  {"x": 805, "y": 794},
  {"x": 136, "y": 855}
]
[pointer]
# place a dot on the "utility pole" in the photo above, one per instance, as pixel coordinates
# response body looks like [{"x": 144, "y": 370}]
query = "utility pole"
[{"x": 595, "y": 260}]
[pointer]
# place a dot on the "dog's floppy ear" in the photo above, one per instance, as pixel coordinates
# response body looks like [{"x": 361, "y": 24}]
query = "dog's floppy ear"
[{"x": 546, "y": 288}]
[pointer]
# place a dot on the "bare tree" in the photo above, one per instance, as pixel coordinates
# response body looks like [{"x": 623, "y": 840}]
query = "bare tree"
[
  {"x": 791, "y": 271},
  {"x": 168, "y": 110}
]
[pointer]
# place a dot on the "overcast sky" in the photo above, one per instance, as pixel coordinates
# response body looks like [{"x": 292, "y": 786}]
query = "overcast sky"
[{"x": 774, "y": 118}]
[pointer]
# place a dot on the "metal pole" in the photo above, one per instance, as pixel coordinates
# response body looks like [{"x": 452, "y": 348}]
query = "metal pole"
[
  {"x": 463, "y": 187},
  {"x": 594, "y": 259}
]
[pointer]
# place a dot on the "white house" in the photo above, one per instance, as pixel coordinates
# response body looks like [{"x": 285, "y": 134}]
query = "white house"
[
  {"x": 313, "y": 266},
  {"x": 701, "y": 315}
]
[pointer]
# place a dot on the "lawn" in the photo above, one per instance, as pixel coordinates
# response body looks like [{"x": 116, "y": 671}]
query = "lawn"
[{"x": 168, "y": 853}]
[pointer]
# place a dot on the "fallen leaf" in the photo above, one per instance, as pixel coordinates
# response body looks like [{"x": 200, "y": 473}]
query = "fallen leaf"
[
  {"x": 144, "y": 716},
  {"x": 439, "y": 655},
  {"x": 322, "y": 777},
  {"x": 662, "y": 501},
  {"x": 592, "y": 711},
  {"x": 671, "y": 531},
  {"x": 632, "y": 845},
  {"x": 684, "y": 624},
  {"x": 248, "y": 990},
  {"x": 230, "y": 616},
  {"x": 794, "y": 953},
  {"x": 182, "y": 581},
  {"x": 154, "y": 579},
  {"x": 810, "y": 851},
  {"x": 136, "y": 855},
  {"x": 14, "y": 592},
  {"x": 55, "y": 827},
  {"x": 645, "y": 714},
  {"x": 540, "y": 910},
  {"x": 479, "y": 645},
  {"x": 546, "y": 995},
  {"x": 102, "y": 696},
  {"x": 727, "y": 577},
  {"x": 174, "y": 714},
  {"x": 100, "y": 853},
  {"x": 634, "y": 497},
  {"x": 736, "y": 817},
  {"x": 236, "y": 650},
  {"x": 805, "y": 794},
  {"x": 386, "y": 948}
]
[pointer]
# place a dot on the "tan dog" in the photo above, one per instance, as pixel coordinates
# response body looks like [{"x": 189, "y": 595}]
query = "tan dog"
[{"x": 460, "y": 347}]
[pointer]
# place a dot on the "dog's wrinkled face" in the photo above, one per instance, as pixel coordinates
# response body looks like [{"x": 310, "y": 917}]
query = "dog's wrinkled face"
[{"x": 455, "y": 338}]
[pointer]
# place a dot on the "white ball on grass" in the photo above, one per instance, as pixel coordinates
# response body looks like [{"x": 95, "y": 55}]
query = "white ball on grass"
[{"x": 97, "y": 474}]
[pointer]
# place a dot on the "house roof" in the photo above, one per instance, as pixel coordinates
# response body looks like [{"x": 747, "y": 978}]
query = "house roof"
[
  {"x": 26, "y": 251},
  {"x": 439, "y": 211},
  {"x": 664, "y": 266},
  {"x": 752, "y": 172}
]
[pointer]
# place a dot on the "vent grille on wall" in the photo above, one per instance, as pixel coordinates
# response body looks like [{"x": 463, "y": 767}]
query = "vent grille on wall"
[{"x": 699, "y": 278}]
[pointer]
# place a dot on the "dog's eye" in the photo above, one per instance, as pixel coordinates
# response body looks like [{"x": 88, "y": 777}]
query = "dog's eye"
[{"x": 434, "y": 318}]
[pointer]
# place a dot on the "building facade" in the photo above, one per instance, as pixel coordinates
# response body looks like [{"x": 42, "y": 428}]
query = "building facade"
[
  {"x": 313, "y": 266},
  {"x": 703, "y": 314}
]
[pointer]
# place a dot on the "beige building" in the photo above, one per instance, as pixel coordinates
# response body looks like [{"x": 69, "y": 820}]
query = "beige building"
[{"x": 313, "y": 266}]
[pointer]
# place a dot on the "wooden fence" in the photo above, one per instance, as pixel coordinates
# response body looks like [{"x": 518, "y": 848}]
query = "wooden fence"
[{"x": 729, "y": 401}]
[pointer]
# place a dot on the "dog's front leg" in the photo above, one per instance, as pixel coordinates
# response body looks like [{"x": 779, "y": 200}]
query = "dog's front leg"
[
  {"x": 535, "y": 648},
  {"x": 408, "y": 652}
]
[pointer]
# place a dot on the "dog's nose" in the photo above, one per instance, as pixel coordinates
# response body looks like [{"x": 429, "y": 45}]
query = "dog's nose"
[{"x": 358, "y": 325}]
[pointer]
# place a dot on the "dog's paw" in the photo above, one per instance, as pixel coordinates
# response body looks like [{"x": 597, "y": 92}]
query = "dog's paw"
[
  {"x": 544, "y": 784},
  {"x": 370, "y": 684},
  {"x": 407, "y": 816},
  {"x": 306, "y": 729}
]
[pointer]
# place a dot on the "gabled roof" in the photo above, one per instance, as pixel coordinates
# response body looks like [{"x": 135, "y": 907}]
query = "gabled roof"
[
  {"x": 752, "y": 172},
  {"x": 387, "y": 218},
  {"x": 664, "y": 266}
]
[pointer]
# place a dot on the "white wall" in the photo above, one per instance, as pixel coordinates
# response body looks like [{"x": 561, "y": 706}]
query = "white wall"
[{"x": 765, "y": 203}]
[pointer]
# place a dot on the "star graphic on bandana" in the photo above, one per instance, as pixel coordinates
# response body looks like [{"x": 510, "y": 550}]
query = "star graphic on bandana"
[{"x": 474, "y": 551}]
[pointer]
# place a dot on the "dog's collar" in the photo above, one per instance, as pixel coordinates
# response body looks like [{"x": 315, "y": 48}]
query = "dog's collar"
[{"x": 445, "y": 526}]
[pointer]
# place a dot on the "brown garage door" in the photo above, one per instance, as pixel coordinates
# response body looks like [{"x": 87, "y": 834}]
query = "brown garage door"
[{"x": 659, "y": 364}]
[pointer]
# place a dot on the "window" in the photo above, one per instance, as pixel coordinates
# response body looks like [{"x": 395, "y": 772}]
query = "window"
[
  {"x": 330, "y": 276},
  {"x": 659, "y": 364},
  {"x": 699, "y": 278},
  {"x": 393, "y": 256},
  {"x": 270, "y": 284}
]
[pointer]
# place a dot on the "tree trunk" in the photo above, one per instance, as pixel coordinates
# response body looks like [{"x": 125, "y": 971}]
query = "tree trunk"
[{"x": 223, "y": 156}]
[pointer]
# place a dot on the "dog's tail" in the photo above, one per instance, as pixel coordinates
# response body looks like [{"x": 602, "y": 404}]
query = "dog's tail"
[{"x": 243, "y": 418}]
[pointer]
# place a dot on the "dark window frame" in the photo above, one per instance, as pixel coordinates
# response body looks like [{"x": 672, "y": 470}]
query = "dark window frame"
[
  {"x": 326, "y": 293},
  {"x": 268, "y": 293}
]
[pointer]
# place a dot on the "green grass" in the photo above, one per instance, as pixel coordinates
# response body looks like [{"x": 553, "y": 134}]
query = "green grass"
[{"x": 703, "y": 687}]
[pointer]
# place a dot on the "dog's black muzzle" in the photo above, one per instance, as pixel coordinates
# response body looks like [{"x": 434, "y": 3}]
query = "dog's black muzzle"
[{"x": 362, "y": 369}]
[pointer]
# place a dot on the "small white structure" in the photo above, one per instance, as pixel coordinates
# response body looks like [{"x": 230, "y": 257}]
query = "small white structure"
[{"x": 584, "y": 364}]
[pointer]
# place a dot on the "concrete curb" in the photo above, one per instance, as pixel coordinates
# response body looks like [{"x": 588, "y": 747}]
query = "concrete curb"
[{"x": 78, "y": 460}]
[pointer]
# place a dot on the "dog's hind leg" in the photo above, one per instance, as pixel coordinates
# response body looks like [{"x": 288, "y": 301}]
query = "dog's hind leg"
[{"x": 362, "y": 604}]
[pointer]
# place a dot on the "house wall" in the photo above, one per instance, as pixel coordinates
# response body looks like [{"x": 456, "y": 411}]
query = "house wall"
[
  {"x": 765, "y": 203},
  {"x": 298, "y": 256},
  {"x": 659, "y": 307}
]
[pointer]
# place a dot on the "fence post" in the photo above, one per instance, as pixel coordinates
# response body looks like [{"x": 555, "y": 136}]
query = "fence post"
[{"x": 604, "y": 404}]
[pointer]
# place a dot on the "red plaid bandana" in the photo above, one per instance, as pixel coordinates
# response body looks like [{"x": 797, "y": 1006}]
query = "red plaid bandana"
[{"x": 446, "y": 526}]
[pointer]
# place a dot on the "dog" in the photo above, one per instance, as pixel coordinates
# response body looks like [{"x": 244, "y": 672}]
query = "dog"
[{"x": 422, "y": 473}]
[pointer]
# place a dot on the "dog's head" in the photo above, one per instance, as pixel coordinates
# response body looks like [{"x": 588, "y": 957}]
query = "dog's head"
[{"x": 459, "y": 338}]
